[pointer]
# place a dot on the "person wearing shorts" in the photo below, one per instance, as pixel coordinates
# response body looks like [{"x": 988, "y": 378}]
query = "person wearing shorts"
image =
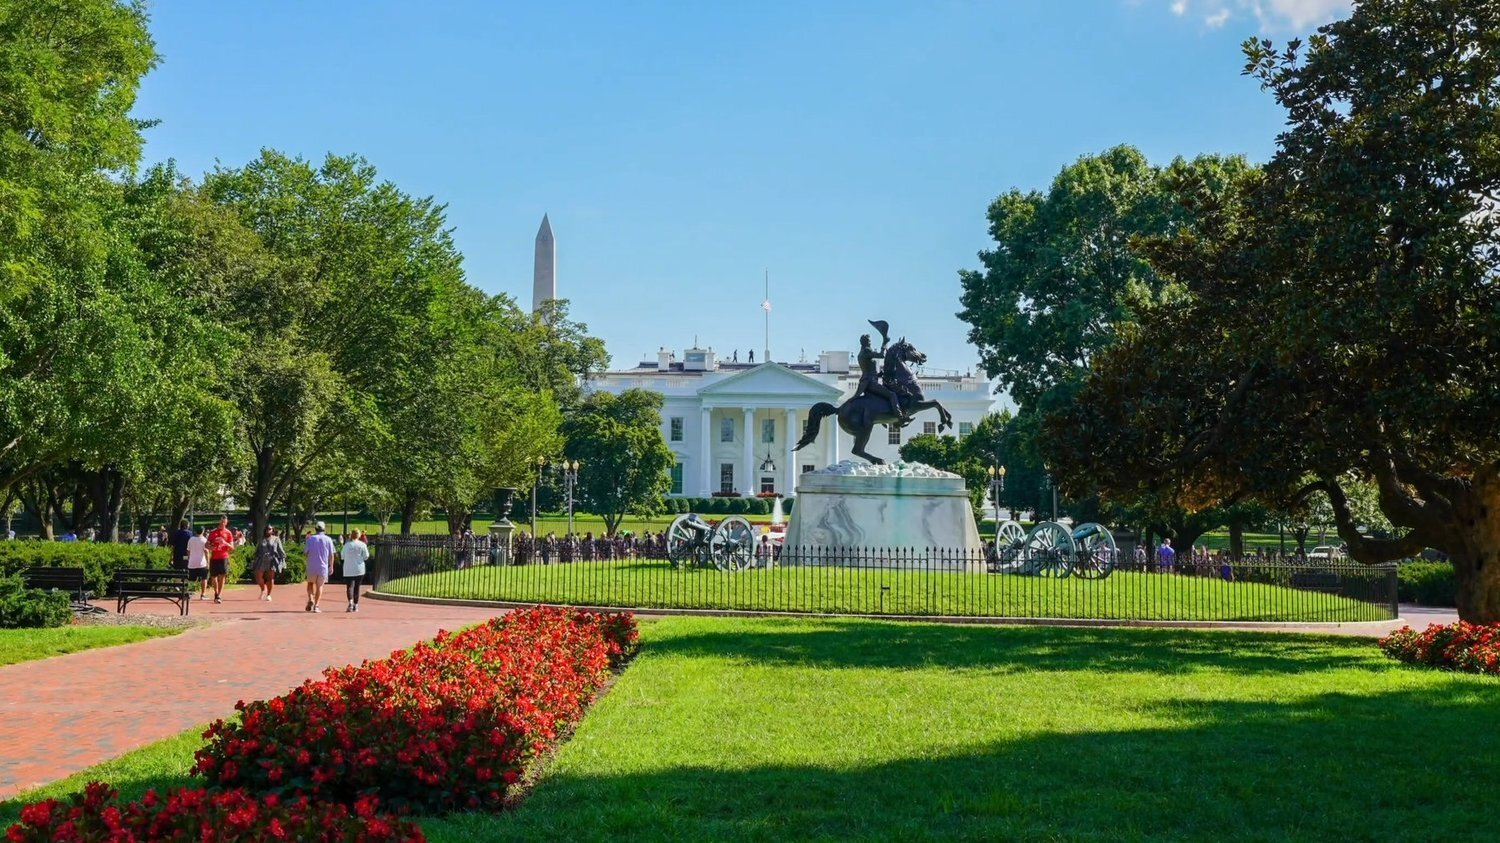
[
  {"x": 197, "y": 562},
  {"x": 220, "y": 546},
  {"x": 320, "y": 554}
]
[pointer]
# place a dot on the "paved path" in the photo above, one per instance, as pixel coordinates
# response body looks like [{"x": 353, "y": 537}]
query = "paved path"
[{"x": 67, "y": 713}]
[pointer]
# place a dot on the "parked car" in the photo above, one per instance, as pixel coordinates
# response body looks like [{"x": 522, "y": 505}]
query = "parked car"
[{"x": 1326, "y": 552}]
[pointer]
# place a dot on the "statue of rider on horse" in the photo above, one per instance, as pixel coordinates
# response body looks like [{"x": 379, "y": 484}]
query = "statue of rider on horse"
[{"x": 890, "y": 396}]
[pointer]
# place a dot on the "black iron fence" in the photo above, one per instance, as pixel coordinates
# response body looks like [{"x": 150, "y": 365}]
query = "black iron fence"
[{"x": 872, "y": 581}]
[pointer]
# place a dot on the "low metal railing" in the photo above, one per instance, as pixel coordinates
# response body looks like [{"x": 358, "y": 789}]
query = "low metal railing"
[{"x": 874, "y": 581}]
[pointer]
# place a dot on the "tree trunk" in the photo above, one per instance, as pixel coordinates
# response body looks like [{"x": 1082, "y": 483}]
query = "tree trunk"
[
  {"x": 409, "y": 506},
  {"x": 1475, "y": 554},
  {"x": 1236, "y": 539},
  {"x": 179, "y": 511},
  {"x": 261, "y": 489},
  {"x": 109, "y": 497},
  {"x": 1300, "y": 534}
]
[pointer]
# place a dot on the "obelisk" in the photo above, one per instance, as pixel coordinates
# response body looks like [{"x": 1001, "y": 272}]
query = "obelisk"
[{"x": 544, "y": 269}]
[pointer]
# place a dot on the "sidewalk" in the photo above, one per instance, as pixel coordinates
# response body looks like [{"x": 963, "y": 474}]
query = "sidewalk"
[{"x": 67, "y": 713}]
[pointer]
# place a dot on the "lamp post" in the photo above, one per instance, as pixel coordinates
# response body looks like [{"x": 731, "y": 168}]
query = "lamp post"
[
  {"x": 1048, "y": 484},
  {"x": 569, "y": 469},
  {"x": 997, "y": 488},
  {"x": 767, "y": 466},
  {"x": 541, "y": 465}
]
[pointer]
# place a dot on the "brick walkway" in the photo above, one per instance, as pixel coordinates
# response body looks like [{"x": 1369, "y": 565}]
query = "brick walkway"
[{"x": 67, "y": 713}]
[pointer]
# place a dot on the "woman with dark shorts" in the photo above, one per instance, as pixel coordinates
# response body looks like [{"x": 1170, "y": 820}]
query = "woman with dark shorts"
[{"x": 270, "y": 559}]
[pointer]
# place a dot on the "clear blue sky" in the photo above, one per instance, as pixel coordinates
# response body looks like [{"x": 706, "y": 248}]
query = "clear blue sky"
[{"x": 683, "y": 148}]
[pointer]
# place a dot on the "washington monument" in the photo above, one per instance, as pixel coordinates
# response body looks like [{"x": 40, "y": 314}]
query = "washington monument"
[{"x": 544, "y": 272}]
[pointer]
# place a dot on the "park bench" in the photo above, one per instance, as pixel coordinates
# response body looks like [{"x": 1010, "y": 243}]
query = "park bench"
[
  {"x": 164, "y": 583},
  {"x": 1327, "y": 582},
  {"x": 70, "y": 581}
]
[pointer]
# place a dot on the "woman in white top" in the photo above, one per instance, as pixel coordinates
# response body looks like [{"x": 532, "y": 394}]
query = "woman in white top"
[
  {"x": 198, "y": 561},
  {"x": 354, "y": 554}
]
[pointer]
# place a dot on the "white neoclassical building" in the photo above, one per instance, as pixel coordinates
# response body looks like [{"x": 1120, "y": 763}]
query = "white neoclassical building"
[{"x": 732, "y": 424}]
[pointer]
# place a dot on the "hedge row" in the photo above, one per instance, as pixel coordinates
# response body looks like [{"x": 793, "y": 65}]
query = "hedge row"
[
  {"x": 99, "y": 561},
  {"x": 727, "y": 506},
  {"x": 31, "y": 608},
  {"x": 1427, "y": 584}
]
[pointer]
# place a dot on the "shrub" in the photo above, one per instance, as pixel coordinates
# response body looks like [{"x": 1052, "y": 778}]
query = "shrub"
[
  {"x": 190, "y": 816},
  {"x": 98, "y": 560},
  {"x": 1427, "y": 584},
  {"x": 31, "y": 608},
  {"x": 786, "y": 505},
  {"x": 761, "y": 506},
  {"x": 449, "y": 724},
  {"x": 739, "y": 506},
  {"x": 1469, "y": 647}
]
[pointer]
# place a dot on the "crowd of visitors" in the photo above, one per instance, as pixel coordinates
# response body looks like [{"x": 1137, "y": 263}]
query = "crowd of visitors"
[{"x": 572, "y": 547}]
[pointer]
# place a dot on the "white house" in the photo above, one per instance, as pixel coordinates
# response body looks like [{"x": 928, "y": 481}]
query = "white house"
[{"x": 732, "y": 424}]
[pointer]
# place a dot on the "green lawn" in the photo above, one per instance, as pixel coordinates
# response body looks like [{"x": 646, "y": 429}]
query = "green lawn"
[
  {"x": 1124, "y": 595},
  {"x": 777, "y": 729},
  {"x": 21, "y": 645}
]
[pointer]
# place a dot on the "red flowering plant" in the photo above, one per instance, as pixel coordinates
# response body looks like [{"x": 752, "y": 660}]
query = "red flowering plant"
[
  {"x": 1469, "y": 647},
  {"x": 448, "y": 724},
  {"x": 186, "y": 815}
]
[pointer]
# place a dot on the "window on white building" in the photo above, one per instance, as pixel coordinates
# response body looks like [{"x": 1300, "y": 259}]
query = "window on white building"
[
  {"x": 675, "y": 432},
  {"x": 726, "y": 477},
  {"x": 677, "y": 478},
  {"x": 929, "y": 428},
  {"x": 768, "y": 484},
  {"x": 964, "y": 429},
  {"x": 893, "y": 436},
  {"x": 768, "y": 430},
  {"x": 806, "y": 467},
  {"x": 726, "y": 429}
]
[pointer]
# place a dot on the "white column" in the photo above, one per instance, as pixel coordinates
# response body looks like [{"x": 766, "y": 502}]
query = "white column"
[
  {"x": 789, "y": 485},
  {"x": 837, "y": 446},
  {"x": 751, "y": 479},
  {"x": 705, "y": 452}
]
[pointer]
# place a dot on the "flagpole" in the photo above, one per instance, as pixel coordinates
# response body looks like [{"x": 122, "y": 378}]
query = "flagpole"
[{"x": 766, "y": 306}]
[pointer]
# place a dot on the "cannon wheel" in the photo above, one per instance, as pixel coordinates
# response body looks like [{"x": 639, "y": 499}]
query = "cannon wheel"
[
  {"x": 1010, "y": 534},
  {"x": 1096, "y": 552},
  {"x": 1049, "y": 550},
  {"x": 731, "y": 546},
  {"x": 680, "y": 542}
]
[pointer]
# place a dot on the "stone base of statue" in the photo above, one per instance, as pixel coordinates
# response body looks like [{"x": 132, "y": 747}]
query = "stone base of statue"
[{"x": 895, "y": 515}]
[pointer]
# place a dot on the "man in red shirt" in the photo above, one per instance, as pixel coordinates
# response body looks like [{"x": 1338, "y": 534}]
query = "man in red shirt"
[{"x": 220, "y": 545}]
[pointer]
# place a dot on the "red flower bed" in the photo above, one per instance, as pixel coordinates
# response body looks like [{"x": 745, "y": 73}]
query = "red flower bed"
[
  {"x": 1470, "y": 647},
  {"x": 448, "y": 724},
  {"x": 190, "y": 816}
]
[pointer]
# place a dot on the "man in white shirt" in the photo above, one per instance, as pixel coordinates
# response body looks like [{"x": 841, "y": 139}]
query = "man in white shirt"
[{"x": 197, "y": 565}]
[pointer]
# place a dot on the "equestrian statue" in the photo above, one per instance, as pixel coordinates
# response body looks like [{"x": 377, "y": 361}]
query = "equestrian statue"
[{"x": 890, "y": 395}]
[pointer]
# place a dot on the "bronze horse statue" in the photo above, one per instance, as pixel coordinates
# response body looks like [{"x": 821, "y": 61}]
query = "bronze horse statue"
[{"x": 858, "y": 416}]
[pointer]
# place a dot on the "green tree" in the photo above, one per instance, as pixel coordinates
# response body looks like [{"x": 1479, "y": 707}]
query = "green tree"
[
  {"x": 624, "y": 458},
  {"x": 1375, "y": 222}
]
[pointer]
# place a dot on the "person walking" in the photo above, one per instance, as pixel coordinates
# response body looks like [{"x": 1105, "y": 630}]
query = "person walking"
[
  {"x": 220, "y": 546},
  {"x": 270, "y": 560},
  {"x": 197, "y": 562},
  {"x": 1165, "y": 556},
  {"x": 355, "y": 554},
  {"x": 179, "y": 542},
  {"x": 319, "y": 556}
]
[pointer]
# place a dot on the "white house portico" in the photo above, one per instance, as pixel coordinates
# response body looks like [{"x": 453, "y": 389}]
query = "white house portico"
[{"x": 732, "y": 425}]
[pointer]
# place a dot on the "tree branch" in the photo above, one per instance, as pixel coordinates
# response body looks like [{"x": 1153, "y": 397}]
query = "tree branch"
[{"x": 1365, "y": 549}]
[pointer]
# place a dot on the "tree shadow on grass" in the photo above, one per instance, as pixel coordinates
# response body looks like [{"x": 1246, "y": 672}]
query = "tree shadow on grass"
[
  {"x": 1335, "y": 766},
  {"x": 861, "y": 644}
]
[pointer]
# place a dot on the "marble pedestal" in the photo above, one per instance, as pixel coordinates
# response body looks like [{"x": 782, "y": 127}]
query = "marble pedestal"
[{"x": 876, "y": 515}]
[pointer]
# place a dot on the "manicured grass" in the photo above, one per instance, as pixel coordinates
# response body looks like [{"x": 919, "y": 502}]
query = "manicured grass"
[
  {"x": 731, "y": 729},
  {"x": 778, "y": 729},
  {"x": 1123, "y": 595},
  {"x": 20, "y": 645}
]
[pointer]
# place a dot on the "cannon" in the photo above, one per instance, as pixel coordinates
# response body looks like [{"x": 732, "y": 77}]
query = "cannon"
[
  {"x": 728, "y": 545},
  {"x": 1051, "y": 550}
]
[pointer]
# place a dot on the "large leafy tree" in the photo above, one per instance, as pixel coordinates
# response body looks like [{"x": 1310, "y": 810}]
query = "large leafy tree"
[
  {"x": 1062, "y": 282},
  {"x": 617, "y": 439},
  {"x": 1339, "y": 315},
  {"x": 69, "y": 72}
]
